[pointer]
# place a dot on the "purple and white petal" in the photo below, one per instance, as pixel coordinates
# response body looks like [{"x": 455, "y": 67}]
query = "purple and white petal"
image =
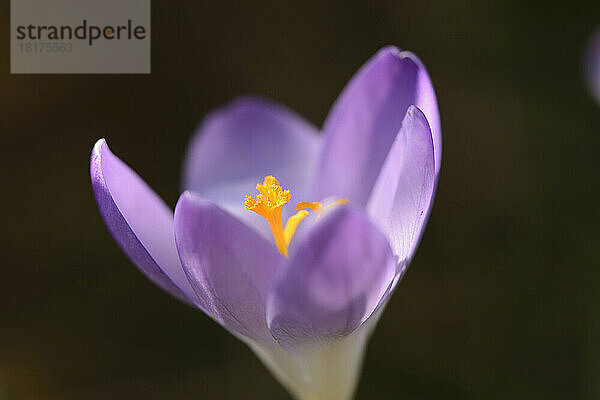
[
  {"x": 403, "y": 194},
  {"x": 140, "y": 222},
  {"x": 365, "y": 120},
  {"x": 231, "y": 267},
  {"x": 241, "y": 143},
  {"x": 592, "y": 64},
  {"x": 334, "y": 280}
]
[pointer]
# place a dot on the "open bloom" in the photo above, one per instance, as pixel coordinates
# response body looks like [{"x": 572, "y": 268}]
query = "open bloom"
[{"x": 303, "y": 286}]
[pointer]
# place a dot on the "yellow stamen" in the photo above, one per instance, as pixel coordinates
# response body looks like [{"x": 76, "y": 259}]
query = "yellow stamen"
[
  {"x": 268, "y": 204},
  {"x": 314, "y": 205},
  {"x": 292, "y": 224},
  {"x": 318, "y": 207},
  {"x": 270, "y": 201}
]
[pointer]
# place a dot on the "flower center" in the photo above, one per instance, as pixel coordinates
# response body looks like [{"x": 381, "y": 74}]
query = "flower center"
[{"x": 268, "y": 204}]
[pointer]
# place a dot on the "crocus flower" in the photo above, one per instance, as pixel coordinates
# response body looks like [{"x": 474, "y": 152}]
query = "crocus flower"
[
  {"x": 304, "y": 295},
  {"x": 592, "y": 64}
]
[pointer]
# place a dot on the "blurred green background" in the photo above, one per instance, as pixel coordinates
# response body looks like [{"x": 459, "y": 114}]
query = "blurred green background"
[{"x": 501, "y": 301}]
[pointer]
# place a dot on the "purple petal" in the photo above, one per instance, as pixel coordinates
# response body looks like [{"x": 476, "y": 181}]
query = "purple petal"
[
  {"x": 366, "y": 118},
  {"x": 334, "y": 280},
  {"x": 230, "y": 266},
  {"x": 403, "y": 194},
  {"x": 140, "y": 222},
  {"x": 592, "y": 64},
  {"x": 240, "y": 144}
]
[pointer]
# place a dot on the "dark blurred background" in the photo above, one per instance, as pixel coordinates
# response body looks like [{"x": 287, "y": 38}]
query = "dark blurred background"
[{"x": 501, "y": 301}]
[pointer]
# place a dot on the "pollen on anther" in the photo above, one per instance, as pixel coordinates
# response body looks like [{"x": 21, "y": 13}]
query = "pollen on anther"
[
  {"x": 271, "y": 196},
  {"x": 269, "y": 203}
]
